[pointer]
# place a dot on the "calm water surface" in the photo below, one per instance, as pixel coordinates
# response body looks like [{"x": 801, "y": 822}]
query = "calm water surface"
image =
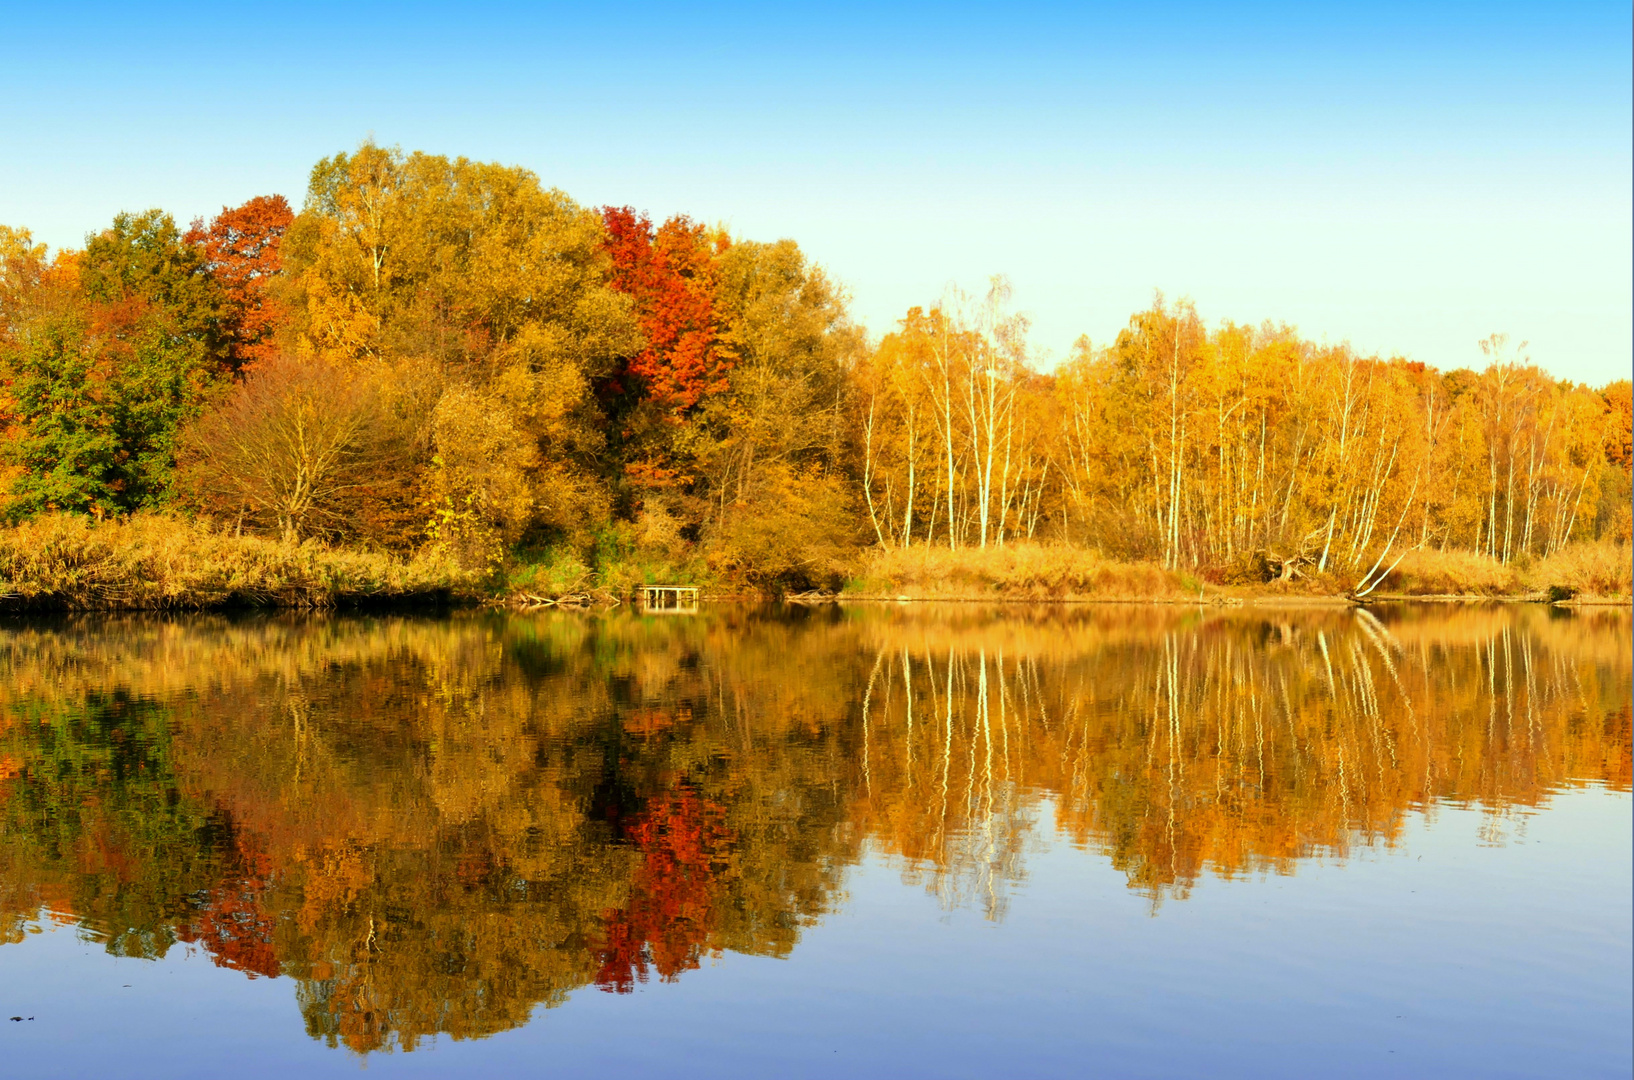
[{"x": 928, "y": 841}]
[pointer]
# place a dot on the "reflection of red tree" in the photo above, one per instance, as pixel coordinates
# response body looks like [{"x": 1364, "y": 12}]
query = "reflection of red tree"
[
  {"x": 1618, "y": 767},
  {"x": 231, "y": 924},
  {"x": 683, "y": 840}
]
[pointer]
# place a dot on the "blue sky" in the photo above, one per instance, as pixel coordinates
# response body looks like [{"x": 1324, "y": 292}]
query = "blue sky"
[{"x": 1407, "y": 178}]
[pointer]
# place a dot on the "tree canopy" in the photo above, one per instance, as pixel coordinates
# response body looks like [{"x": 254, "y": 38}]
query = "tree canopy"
[{"x": 545, "y": 375}]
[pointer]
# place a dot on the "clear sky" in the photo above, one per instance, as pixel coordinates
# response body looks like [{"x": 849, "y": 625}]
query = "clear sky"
[{"x": 1408, "y": 178}]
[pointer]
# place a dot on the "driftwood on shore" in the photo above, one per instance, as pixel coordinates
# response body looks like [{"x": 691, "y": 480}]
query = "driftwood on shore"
[
  {"x": 1284, "y": 568},
  {"x": 573, "y": 601},
  {"x": 812, "y": 596}
]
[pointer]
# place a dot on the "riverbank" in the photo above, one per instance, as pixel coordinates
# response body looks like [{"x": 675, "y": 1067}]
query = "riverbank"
[
  {"x": 155, "y": 562},
  {"x": 1580, "y": 573},
  {"x": 64, "y": 562}
]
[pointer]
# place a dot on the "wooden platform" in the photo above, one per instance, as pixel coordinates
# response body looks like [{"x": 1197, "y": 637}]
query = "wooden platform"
[{"x": 670, "y": 599}]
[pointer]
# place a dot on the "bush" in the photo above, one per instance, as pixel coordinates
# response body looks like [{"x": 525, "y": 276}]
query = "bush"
[
  {"x": 550, "y": 573},
  {"x": 625, "y": 559},
  {"x": 288, "y": 448},
  {"x": 793, "y": 530}
]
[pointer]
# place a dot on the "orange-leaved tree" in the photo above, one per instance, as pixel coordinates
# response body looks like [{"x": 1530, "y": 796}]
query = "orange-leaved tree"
[
  {"x": 241, "y": 253},
  {"x": 670, "y": 274}
]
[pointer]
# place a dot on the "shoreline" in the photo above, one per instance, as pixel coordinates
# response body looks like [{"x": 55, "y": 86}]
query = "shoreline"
[
  {"x": 443, "y": 602},
  {"x": 1220, "y": 601},
  {"x": 1249, "y": 600},
  {"x": 62, "y": 563}
]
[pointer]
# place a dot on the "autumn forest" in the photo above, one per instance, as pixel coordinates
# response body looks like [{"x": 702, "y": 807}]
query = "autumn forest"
[{"x": 456, "y": 377}]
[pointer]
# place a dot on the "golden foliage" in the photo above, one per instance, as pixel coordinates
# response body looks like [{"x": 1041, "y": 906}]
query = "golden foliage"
[
  {"x": 494, "y": 331},
  {"x": 1234, "y": 452}
]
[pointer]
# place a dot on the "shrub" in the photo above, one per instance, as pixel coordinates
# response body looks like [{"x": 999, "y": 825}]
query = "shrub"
[
  {"x": 289, "y": 447},
  {"x": 551, "y": 573},
  {"x": 792, "y": 529}
]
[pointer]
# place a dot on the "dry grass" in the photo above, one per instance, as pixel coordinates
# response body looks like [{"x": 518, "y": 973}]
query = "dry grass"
[
  {"x": 1037, "y": 572},
  {"x": 1016, "y": 572},
  {"x": 1428, "y": 572},
  {"x": 1587, "y": 570},
  {"x": 65, "y": 562}
]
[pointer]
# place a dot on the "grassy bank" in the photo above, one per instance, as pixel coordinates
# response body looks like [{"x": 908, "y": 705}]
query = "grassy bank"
[
  {"x": 1016, "y": 572},
  {"x": 1580, "y": 571},
  {"x": 154, "y": 562},
  {"x": 65, "y": 562},
  {"x": 1585, "y": 571}
]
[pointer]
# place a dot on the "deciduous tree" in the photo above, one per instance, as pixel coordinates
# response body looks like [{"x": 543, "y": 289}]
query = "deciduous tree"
[
  {"x": 240, "y": 247},
  {"x": 288, "y": 447}
]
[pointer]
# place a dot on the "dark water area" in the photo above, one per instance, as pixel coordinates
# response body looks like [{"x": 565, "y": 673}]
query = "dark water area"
[{"x": 934, "y": 841}]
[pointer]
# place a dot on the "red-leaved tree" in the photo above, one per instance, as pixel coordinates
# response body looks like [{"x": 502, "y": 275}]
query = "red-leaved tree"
[
  {"x": 670, "y": 274},
  {"x": 240, "y": 248}
]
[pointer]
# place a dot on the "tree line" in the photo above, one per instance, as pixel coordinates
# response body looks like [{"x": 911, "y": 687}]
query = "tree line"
[{"x": 440, "y": 354}]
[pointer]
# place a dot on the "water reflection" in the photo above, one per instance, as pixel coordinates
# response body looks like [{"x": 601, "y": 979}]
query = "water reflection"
[{"x": 434, "y": 826}]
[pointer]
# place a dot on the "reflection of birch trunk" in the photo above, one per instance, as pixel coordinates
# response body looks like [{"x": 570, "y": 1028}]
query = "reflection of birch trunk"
[{"x": 907, "y": 686}]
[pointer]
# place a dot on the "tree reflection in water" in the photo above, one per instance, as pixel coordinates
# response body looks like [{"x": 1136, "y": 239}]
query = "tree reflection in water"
[{"x": 433, "y": 826}]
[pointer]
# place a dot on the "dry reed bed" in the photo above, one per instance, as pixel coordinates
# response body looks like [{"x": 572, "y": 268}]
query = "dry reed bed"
[
  {"x": 1016, "y": 572},
  {"x": 1022, "y": 572},
  {"x": 1586, "y": 569},
  {"x": 63, "y": 562},
  {"x": 154, "y": 562}
]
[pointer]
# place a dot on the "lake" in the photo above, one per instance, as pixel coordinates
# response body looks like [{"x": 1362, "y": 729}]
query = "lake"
[{"x": 894, "y": 840}]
